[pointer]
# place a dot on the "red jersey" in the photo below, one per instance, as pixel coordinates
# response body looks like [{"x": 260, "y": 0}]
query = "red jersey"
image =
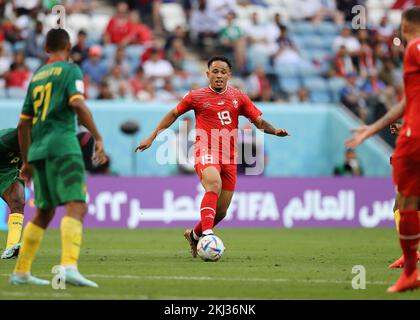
[
  {"x": 217, "y": 119},
  {"x": 408, "y": 143}
]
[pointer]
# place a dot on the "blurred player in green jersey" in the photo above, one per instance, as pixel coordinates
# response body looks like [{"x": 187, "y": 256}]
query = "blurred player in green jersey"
[
  {"x": 51, "y": 155},
  {"x": 12, "y": 189}
]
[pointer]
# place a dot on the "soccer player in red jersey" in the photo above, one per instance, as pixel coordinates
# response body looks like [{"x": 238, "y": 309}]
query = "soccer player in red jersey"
[
  {"x": 406, "y": 158},
  {"x": 217, "y": 109},
  {"x": 364, "y": 132}
]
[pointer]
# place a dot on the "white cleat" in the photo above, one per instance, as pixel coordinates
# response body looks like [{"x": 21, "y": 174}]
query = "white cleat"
[{"x": 11, "y": 252}]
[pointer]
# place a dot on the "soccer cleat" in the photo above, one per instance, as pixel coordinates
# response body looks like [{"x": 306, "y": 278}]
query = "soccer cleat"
[
  {"x": 74, "y": 278},
  {"x": 17, "y": 280},
  {"x": 11, "y": 252},
  {"x": 193, "y": 243},
  {"x": 405, "y": 283},
  {"x": 400, "y": 262}
]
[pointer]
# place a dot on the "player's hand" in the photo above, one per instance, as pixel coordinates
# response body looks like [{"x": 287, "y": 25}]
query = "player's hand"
[
  {"x": 281, "y": 133},
  {"x": 360, "y": 135},
  {"x": 395, "y": 128},
  {"x": 26, "y": 173},
  {"x": 99, "y": 157},
  {"x": 145, "y": 144}
]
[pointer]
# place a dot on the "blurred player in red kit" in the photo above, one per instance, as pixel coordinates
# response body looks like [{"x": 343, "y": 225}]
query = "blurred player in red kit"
[{"x": 217, "y": 109}]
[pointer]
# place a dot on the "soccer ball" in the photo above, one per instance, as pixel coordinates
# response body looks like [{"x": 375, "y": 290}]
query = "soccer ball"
[{"x": 210, "y": 248}]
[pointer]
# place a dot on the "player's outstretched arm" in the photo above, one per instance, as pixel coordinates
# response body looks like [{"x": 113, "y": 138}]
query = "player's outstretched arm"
[
  {"x": 261, "y": 124},
  {"x": 167, "y": 120},
  {"x": 86, "y": 119},
  {"x": 24, "y": 135},
  {"x": 364, "y": 132}
]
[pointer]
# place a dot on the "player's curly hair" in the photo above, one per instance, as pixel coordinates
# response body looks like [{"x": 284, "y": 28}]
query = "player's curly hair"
[
  {"x": 57, "y": 39},
  {"x": 219, "y": 58}
]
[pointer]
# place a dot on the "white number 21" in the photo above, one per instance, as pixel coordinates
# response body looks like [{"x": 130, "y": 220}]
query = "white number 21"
[{"x": 224, "y": 117}]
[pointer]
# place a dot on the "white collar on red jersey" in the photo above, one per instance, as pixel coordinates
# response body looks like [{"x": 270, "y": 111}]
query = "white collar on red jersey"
[{"x": 216, "y": 91}]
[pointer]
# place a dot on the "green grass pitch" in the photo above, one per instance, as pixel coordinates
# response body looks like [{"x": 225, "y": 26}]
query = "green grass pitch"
[{"x": 258, "y": 264}]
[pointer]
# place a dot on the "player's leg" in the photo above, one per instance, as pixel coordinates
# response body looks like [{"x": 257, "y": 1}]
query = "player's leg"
[
  {"x": 71, "y": 190},
  {"x": 223, "y": 204},
  {"x": 399, "y": 263},
  {"x": 409, "y": 230},
  {"x": 71, "y": 240},
  {"x": 212, "y": 183},
  {"x": 15, "y": 199},
  {"x": 34, "y": 229},
  {"x": 31, "y": 240}
]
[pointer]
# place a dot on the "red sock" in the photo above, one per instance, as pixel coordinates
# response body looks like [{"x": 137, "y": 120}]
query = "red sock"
[
  {"x": 208, "y": 210},
  {"x": 409, "y": 239},
  {"x": 198, "y": 230}
]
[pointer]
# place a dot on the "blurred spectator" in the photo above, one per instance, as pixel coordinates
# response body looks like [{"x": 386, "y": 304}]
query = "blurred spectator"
[
  {"x": 148, "y": 52},
  {"x": 150, "y": 14},
  {"x": 385, "y": 28},
  {"x": 119, "y": 29},
  {"x": 278, "y": 21},
  {"x": 343, "y": 62},
  {"x": 157, "y": 69},
  {"x": 26, "y": 7},
  {"x": 80, "y": 6},
  {"x": 5, "y": 59},
  {"x": 388, "y": 73},
  {"x": 177, "y": 53},
  {"x": 366, "y": 59},
  {"x": 315, "y": 10},
  {"x": 205, "y": 25},
  {"x": 287, "y": 53},
  {"x": 178, "y": 33},
  {"x": 168, "y": 92},
  {"x": 140, "y": 33},
  {"x": 351, "y": 165},
  {"x": 137, "y": 82},
  {"x": 373, "y": 90},
  {"x": 233, "y": 42},
  {"x": 301, "y": 96},
  {"x": 351, "y": 97},
  {"x": 121, "y": 60},
  {"x": 79, "y": 52},
  {"x": 262, "y": 37},
  {"x": 258, "y": 86},
  {"x": 19, "y": 74},
  {"x": 221, "y": 8},
  {"x": 118, "y": 84},
  {"x": 185, "y": 144},
  {"x": 148, "y": 93},
  {"x": 11, "y": 31},
  {"x": 94, "y": 67},
  {"x": 35, "y": 42},
  {"x": 373, "y": 86},
  {"x": 346, "y": 39},
  {"x": 104, "y": 91}
]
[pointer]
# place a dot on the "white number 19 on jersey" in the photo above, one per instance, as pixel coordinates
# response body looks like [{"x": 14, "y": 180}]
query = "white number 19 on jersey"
[{"x": 224, "y": 117}]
